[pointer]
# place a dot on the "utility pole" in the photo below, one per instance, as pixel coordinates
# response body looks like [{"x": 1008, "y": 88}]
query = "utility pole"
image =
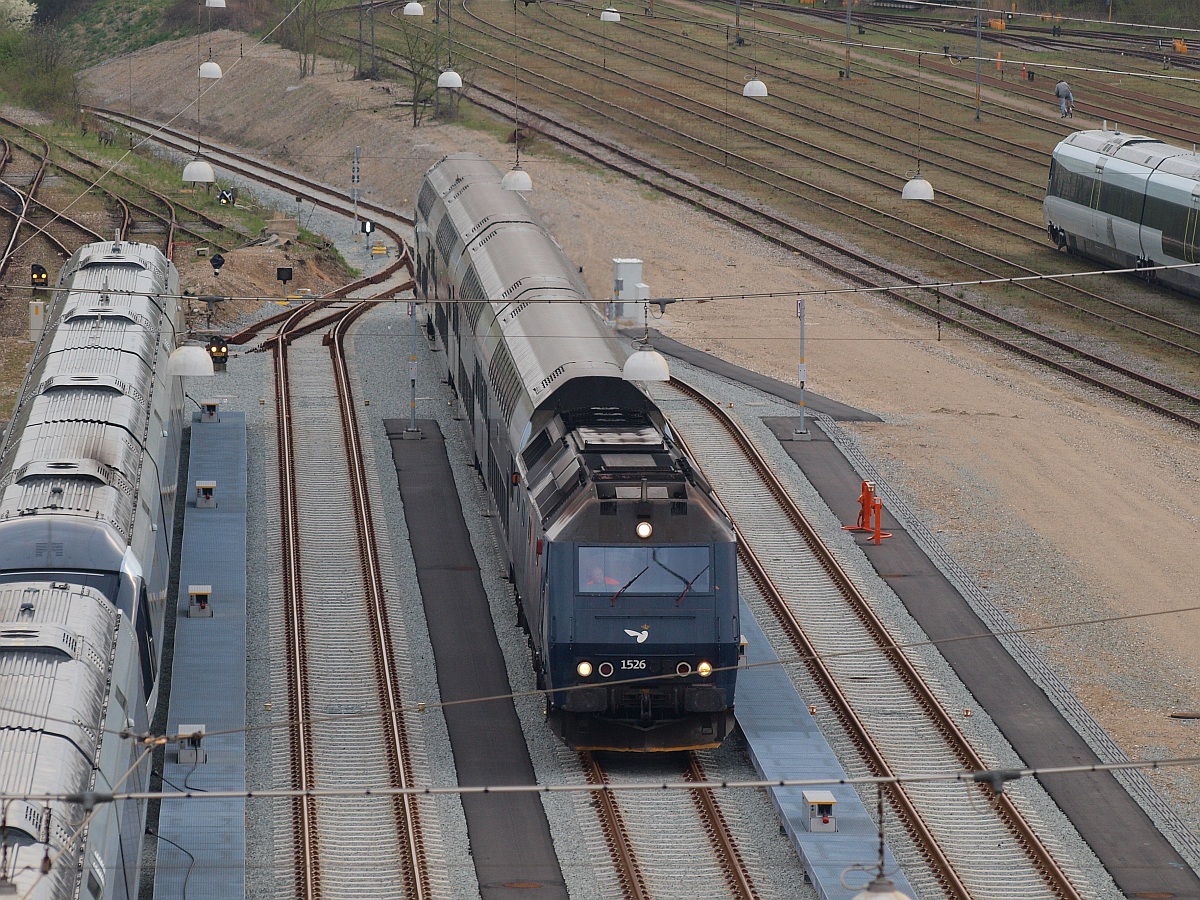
[
  {"x": 849, "y": 6},
  {"x": 978, "y": 54}
]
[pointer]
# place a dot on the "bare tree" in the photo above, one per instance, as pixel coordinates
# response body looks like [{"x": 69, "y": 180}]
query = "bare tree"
[
  {"x": 420, "y": 54},
  {"x": 300, "y": 33}
]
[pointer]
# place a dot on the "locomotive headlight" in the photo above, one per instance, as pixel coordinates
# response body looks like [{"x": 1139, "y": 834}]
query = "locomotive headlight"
[
  {"x": 644, "y": 529},
  {"x": 584, "y": 669},
  {"x": 704, "y": 669}
]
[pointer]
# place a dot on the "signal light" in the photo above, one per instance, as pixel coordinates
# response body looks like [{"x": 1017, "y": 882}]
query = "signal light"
[
  {"x": 218, "y": 349},
  {"x": 38, "y": 275},
  {"x": 225, "y": 198}
]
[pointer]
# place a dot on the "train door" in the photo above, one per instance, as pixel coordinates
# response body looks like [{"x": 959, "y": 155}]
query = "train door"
[
  {"x": 1191, "y": 232},
  {"x": 1098, "y": 224}
]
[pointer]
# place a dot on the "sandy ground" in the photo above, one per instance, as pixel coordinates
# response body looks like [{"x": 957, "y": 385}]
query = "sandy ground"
[{"x": 1065, "y": 505}]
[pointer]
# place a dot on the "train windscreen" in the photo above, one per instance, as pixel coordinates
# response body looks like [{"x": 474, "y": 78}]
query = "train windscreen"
[{"x": 644, "y": 570}]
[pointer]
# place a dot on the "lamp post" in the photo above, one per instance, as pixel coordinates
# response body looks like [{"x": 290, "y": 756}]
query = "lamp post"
[
  {"x": 412, "y": 371},
  {"x": 978, "y": 54},
  {"x": 849, "y": 6},
  {"x": 802, "y": 433}
]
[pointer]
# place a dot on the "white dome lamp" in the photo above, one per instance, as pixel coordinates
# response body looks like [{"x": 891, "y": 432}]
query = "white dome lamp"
[
  {"x": 646, "y": 363},
  {"x": 516, "y": 179},
  {"x": 189, "y": 360},
  {"x": 755, "y": 88},
  {"x": 413, "y": 8},
  {"x": 881, "y": 888},
  {"x": 210, "y": 70},
  {"x": 610, "y": 15},
  {"x": 917, "y": 188},
  {"x": 199, "y": 170},
  {"x": 450, "y": 79}
]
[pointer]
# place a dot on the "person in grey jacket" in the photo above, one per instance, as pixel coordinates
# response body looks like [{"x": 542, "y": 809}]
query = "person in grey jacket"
[{"x": 1062, "y": 91}]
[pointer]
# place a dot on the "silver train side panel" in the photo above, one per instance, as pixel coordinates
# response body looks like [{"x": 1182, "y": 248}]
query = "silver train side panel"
[{"x": 88, "y": 474}]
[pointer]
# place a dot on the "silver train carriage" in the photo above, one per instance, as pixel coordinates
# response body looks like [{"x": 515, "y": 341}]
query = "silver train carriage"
[
  {"x": 1128, "y": 200},
  {"x": 88, "y": 474},
  {"x": 623, "y": 559}
]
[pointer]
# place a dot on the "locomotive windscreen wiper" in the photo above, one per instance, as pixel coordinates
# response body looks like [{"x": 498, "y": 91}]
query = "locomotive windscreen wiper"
[
  {"x": 688, "y": 586},
  {"x": 613, "y": 601}
]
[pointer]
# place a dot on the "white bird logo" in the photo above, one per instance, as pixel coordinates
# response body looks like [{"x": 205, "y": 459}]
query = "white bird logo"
[{"x": 640, "y": 635}]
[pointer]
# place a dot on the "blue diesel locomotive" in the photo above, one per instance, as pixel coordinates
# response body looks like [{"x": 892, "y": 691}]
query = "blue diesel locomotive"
[{"x": 624, "y": 560}]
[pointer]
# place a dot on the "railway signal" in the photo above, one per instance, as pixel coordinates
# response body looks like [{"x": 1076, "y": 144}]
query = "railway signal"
[
  {"x": 225, "y": 198},
  {"x": 367, "y": 226},
  {"x": 38, "y": 275},
  {"x": 218, "y": 349},
  {"x": 217, "y": 261},
  {"x": 283, "y": 274}
]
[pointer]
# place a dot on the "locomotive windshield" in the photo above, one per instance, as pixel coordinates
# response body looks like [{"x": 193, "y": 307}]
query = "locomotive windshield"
[{"x": 645, "y": 570}]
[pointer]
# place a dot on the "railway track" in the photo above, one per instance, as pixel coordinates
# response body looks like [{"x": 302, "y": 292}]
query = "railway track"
[
  {"x": 893, "y": 719},
  {"x": 647, "y": 837},
  {"x": 1084, "y": 356},
  {"x": 341, "y": 658}
]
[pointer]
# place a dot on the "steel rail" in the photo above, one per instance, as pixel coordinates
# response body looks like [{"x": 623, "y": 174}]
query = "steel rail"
[
  {"x": 303, "y": 763},
  {"x": 722, "y": 840},
  {"x": 399, "y": 759},
  {"x": 1023, "y": 833},
  {"x": 629, "y": 871}
]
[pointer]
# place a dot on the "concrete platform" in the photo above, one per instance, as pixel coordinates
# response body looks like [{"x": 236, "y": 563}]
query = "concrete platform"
[
  {"x": 202, "y": 850},
  {"x": 785, "y": 743}
]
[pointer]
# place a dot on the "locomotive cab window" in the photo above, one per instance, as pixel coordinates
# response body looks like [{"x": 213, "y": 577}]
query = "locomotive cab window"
[{"x": 645, "y": 570}]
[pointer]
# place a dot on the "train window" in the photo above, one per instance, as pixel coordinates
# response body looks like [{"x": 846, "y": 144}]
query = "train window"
[
  {"x": 644, "y": 570},
  {"x": 1074, "y": 187},
  {"x": 425, "y": 200},
  {"x": 503, "y": 372},
  {"x": 470, "y": 288},
  {"x": 447, "y": 237},
  {"x": 1120, "y": 202},
  {"x": 1178, "y": 224},
  {"x": 145, "y": 637},
  {"x": 473, "y": 311}
]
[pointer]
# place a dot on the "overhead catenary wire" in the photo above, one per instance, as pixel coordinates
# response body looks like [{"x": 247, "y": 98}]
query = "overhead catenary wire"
[
  {"x": 996, "y": 778},
  {"x": 711, "y": 298},
  {"x": 152, "y": 740}
]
